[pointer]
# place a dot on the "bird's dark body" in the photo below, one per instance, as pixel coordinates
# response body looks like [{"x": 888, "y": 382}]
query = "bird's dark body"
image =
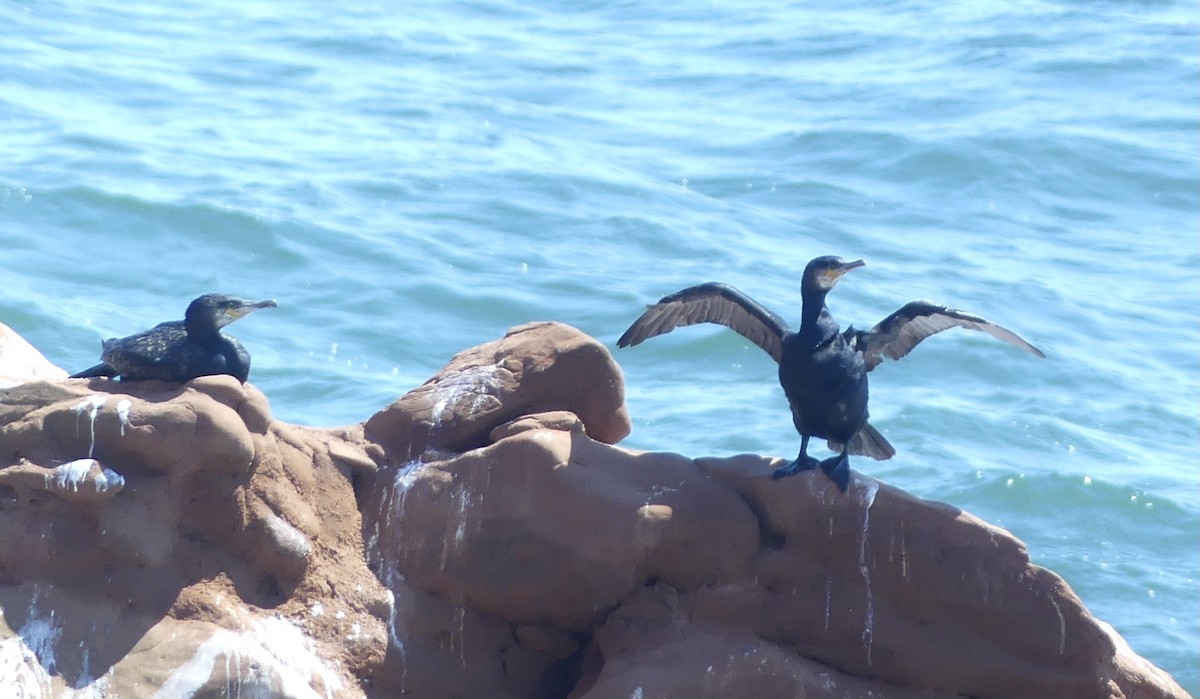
[
  {"x": 825, "y": 382},
  {"x": 166, "y": 353}
]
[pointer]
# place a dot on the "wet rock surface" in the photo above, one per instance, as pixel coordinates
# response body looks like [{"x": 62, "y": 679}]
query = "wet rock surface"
[{"x": 483, "y": 537}]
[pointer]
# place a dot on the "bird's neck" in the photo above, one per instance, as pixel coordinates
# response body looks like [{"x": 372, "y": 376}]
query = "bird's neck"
[
  {"x": 201, "y": 332},
  {"x": 811, "y": 308},
  {"x": 816, "y": 324}
]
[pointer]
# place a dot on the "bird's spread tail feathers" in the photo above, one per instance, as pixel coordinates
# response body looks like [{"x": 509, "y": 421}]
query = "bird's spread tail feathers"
[{"x": 868, "y": 442}]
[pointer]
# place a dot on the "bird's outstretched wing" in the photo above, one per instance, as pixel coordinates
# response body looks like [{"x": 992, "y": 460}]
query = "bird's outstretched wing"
[
  {"x": 895, "y": 336},
  {"x": 711, "y": 302}
]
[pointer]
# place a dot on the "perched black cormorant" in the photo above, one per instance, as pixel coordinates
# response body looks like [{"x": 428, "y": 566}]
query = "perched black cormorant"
[
  {"x": 823, "y": 371},
  {"x": 181, "y": 350}
]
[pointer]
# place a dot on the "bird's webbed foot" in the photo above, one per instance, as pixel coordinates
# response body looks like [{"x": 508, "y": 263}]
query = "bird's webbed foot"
[
  {"x": 802, "y": 463},
  {"x": 838, "y": 470}
]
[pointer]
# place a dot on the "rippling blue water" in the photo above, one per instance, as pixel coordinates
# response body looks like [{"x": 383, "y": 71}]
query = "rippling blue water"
[{"x": 408, "y": 183}]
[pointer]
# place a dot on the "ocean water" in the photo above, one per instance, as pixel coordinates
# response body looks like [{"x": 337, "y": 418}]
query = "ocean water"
[{"x": 409, "y": 180}]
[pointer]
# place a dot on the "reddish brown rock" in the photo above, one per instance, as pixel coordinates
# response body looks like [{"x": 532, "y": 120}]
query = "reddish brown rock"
[
  {"x": 549, "y": 525},
  {"x": 481, "y": 537},
  {"x": 182, "y": 518},
  {"x": 652, "y": 646},
  {"x": 535, "y": 368},
  {"x": 880, "y": 584}
]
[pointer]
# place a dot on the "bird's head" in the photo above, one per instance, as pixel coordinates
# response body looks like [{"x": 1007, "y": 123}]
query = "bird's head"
[
  {"x": 823, "y": 273},
  {"x": 220, "y": 310}
]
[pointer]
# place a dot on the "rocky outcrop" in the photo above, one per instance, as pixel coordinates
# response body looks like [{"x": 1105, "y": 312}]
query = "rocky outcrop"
[
  {"x": 535, "y": 368},
  {"x": 157, "y": 534},
  {"x": 483, "y": 537},
  {"x": 20, "y": 362}
]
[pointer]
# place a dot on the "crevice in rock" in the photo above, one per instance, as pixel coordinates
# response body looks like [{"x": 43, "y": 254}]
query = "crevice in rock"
[
  {"x": 590, "y": 663},
  {"x": 771, "y": 539},
  {"x": 563, "y": 677},
  {"x": 269, "y": 592}
]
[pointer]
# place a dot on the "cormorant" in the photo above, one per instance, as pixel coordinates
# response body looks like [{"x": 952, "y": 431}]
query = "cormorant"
[
  {"x": 181, "y": 350},
  {"x": 823, "y": 371}
]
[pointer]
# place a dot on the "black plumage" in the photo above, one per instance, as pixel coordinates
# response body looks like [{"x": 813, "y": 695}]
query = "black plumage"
[
  {"x": 181, "y": 350},
  {"x": 823, "y": 371}
]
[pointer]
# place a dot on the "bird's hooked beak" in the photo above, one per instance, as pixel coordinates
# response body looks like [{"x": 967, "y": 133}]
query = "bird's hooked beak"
[
  {"x": 836, "y": 273},
  {"x": 246, "y": 307},
  {"x": 853, "y": 265}
]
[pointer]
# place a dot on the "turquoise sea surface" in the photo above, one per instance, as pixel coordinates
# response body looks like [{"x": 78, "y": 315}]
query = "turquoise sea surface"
[{"x": 409, "y": 180}]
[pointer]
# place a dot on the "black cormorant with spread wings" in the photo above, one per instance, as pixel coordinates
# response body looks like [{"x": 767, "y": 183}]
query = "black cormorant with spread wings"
[
  {"x": 181, "y": 350},
  {"x": 823, "y": 371}
]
